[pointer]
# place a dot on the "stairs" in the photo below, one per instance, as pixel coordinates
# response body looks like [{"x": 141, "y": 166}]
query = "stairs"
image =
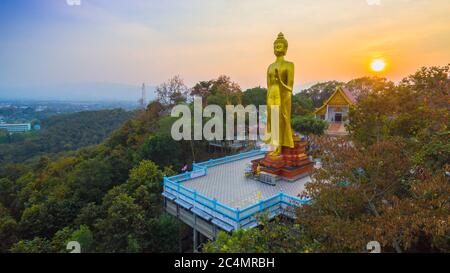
[{"x": 336, "y": 129}]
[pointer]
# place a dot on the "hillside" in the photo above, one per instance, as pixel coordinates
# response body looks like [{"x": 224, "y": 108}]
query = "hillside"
[
  {"x": 107, "y": 197},
  {"x": 63, "y": 133}
]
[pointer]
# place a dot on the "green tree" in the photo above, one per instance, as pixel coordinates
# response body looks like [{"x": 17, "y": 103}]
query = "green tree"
[
  {"x": 37, "y": 245},
  {"x": 319, "y": 92},
  {"x": 164, "y": 231},
  {"x": 172, "y": 92},
  {"x": 144, "y": 184},
  {"x": 256, "y": 96},
  {"x": 162, "y": 150},
  {"x": 36, "y": 221},
  {"x": 9, "y": 230},
  {"x": 4, "y": 136},
  {"x": 90, "y": 180},
  {"x": 363, "y": 193},
  {"x": 60, "y": 240},
  {"x": 84, "y": 236},
  {"x": 62, "y": 133},
  {"x": 89, "y": 215},
  {"x": 309, "y": 124},
  {"x": 123, "y": 218},
  {"x": 202, "y": 89},
  {"x": 302, "y": 105},
  {"x": 416, "y": 110},
  {"x": 388, "y": 181},
  {"x": 91, "y": 196},
  {"x": 364, "y": 86},
  {"x": 221, "y": 91},
  {"x": 279, "y": 236},
  {"x": 8, "y": 191}
]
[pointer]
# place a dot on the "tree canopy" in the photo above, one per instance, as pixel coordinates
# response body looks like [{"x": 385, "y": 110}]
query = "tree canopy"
[
  {"x": 62, "y": 133},
  {"x": 387, "y": 181}
]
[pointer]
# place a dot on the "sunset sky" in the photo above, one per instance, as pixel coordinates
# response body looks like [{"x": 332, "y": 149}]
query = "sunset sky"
[{"x": 47, "y": 42}]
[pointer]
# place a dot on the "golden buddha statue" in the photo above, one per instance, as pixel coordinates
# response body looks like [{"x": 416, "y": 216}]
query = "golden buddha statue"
[{"x": 280, "y": 82}]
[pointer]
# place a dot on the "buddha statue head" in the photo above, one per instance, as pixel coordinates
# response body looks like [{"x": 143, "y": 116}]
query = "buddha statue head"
[{"x": 280, "y": 45}]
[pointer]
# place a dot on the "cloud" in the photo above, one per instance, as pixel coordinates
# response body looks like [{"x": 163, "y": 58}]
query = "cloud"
[{"x": 150, "y": 41}]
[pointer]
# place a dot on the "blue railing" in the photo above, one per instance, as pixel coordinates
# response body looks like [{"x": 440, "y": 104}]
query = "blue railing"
[
  {"x": 233, "y": 216},
  {"x": 227, "y": 159}
]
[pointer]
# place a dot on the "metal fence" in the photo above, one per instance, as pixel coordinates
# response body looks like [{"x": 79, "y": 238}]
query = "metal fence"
[{"x": 234, "y": 216}]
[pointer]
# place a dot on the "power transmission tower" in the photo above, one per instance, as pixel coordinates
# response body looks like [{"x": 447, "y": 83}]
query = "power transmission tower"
[{"x": 142, "y": 100}]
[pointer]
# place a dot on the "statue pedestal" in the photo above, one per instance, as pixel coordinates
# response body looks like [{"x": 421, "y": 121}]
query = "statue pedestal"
[{"x": 292, "y": 164}]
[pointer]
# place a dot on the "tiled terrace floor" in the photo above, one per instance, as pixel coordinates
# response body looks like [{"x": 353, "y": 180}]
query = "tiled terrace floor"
[{"x": 229, "y": 186}]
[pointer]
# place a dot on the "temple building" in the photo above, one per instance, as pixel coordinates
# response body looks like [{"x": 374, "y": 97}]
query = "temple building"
[{"x": 335, "y": 110}]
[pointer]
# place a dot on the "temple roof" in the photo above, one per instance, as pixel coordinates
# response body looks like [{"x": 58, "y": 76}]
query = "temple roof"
[
  {"x": 349, "y": 95},
  {"x": 346, "y": 94}
]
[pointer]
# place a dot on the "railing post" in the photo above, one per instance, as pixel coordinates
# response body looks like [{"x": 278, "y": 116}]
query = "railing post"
[
  {"x": 260, "y": 205},
  {"x": 214, "y": 203},
  {"x": 280, "y": 203},
  {"x": 195, "y": 196},
  {"x": 238, "y": 216}
]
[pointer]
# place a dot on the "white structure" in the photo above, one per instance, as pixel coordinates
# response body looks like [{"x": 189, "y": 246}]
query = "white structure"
[{"x": 16, "y": 128}]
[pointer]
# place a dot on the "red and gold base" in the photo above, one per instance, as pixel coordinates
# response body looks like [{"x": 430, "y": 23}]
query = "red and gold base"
[{"x": 291, "y": 164}]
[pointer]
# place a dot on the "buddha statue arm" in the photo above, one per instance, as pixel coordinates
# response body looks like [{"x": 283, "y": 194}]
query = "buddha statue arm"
[{"x": 290, "y": 78}]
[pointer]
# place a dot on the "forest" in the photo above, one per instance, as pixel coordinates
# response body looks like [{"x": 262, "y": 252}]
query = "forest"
[
  {"x": 61, "y": 133},
  {"x": 388, "y": 180}
]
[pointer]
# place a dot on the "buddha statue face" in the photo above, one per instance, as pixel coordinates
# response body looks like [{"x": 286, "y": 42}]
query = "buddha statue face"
[{"x": 280, "y": 45}]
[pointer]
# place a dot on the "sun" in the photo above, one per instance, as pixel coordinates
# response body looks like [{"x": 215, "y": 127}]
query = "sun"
[{"x": 378, "y": 65}]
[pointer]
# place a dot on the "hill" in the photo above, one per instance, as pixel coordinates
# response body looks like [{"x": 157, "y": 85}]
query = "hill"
[{"x": 63, "y": 133}]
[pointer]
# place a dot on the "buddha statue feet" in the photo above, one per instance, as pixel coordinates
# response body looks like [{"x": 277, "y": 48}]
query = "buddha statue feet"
[{"x": 275, "y": 154}]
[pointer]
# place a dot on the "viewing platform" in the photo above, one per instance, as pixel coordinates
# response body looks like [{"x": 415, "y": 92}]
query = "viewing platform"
[{"x": 216, "y": 195}]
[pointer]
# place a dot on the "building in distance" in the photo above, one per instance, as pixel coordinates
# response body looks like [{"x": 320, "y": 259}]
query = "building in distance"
[
  {"x": 335, "y": 110},
  {"x": 16, "y": 128}
]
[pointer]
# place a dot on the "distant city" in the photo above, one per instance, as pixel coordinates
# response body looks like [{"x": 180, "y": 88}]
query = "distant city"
[{"x": 33, "y": 111}]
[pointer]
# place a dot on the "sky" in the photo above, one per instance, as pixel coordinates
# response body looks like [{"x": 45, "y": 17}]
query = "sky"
[{"x": 127, "y": 42}]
